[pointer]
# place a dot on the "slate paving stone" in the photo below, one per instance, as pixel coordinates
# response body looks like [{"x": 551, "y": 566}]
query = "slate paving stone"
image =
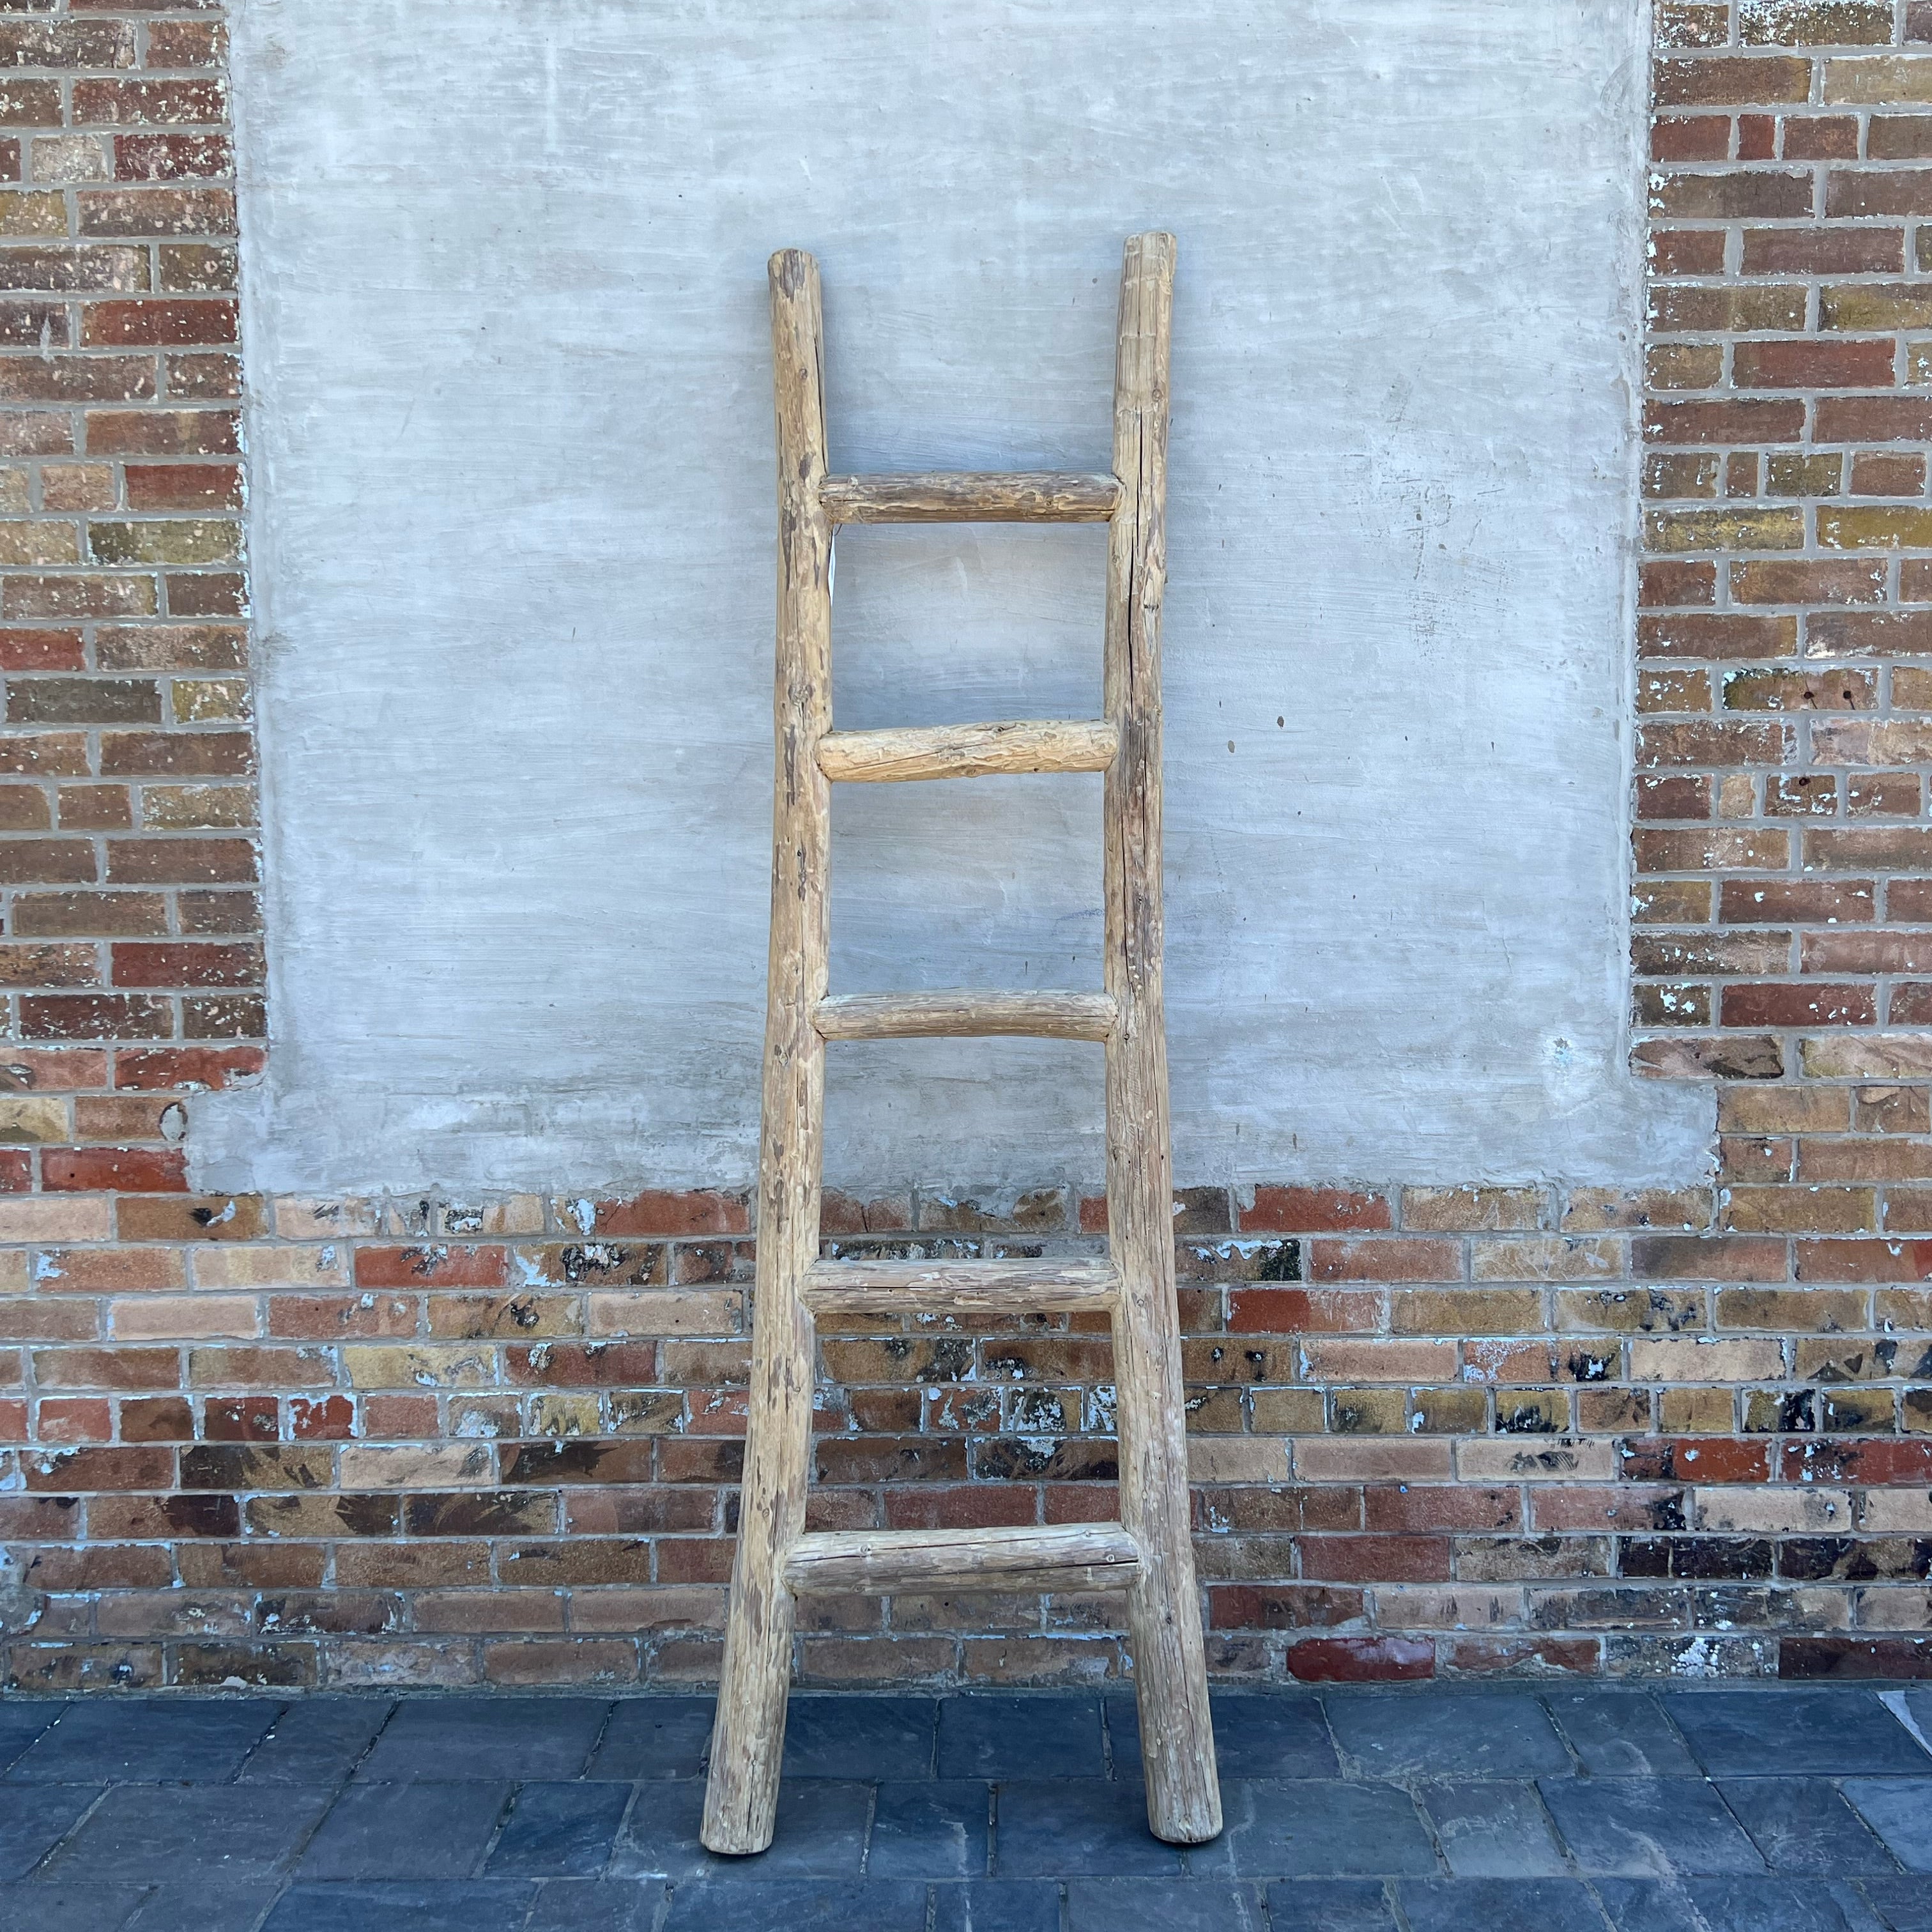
[
  {"x": 1777, "y": 1733},
  {"x": 143, "y": 1833},
  {"x": 1258, "y": 1735},
  {"x": 559, "y": 1831},
  {"x": 821, "y": 1834},
  {"x": 655, "y": 1738},
  {"x": 1903, "y": 1904},
  {"x": 1025, "y": 1734},
  {"x": 860, "y": 1737},
  {"x": 1174, "y": 1905},
  {"x": 1803, "y": 1826},
  {"x": 1495, "y": 1829},
  {"x": 193, "y": 1905},
  {"x": 598, "y": 1905},
  {"x": 1647, "y": 1827},
  {"x": 37, "y": 1907},
  {"x": 1330, "y": 1905},
  {"x": 405, "y": 1831},
  {"x": 1900, "y": 1810},
  {"x": 486, "y": 1905},
  {"x": 1312, "y": 1827},
  {"x": 1084, "y": 1828},
  {"x": 1620, "y": 1734},
  {"x": 317, "y": 1740},
  {"x": 511, "y": 1739},
  {"x": 935, "y": 1829},
  {"x": 998, "y": 1905},
  {"x": 1500, "y": 1905},
  {"x": 146, "y": 1740},
  {"x": 1443, "y": 1735},
  {"x": 22, "y": 1722},
  {"x": 34, "y": 1818},
  {"x": 1730, "y": 1905},
  {"x": 797, "y": 1906}
]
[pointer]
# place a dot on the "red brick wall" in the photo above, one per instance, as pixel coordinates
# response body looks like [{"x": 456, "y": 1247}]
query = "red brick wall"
[{"x": 1530, "y": 1428}]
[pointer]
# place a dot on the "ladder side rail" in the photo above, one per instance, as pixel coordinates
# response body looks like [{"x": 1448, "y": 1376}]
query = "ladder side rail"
[
  {"x": 741, "y": 1799},
  {"x": 1163, "y": 1603}
]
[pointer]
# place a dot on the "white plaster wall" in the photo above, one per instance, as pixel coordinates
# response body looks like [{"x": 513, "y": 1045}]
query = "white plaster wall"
[{"x": 513, "y": 540}]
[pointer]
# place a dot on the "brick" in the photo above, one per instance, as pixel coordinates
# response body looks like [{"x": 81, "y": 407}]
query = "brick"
[
  {"x": 1754, "y": 421},
  {"x": 1809, "y": 364},
  {"x": 1395, "y": 1258},
  {"x": 1742, "y": 194},
  {"x": 1313, "y": 1210}
]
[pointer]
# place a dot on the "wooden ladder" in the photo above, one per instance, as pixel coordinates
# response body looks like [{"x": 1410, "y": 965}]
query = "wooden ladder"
[{"x": 1147, "y": 1552}]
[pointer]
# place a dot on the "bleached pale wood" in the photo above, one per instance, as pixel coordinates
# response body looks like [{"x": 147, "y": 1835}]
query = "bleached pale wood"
[
  {"x": 741, "y": 1801},
  {"x": 961, "y": 1288},
  {"x": 966, "y": 751},
  {"x": 876, "y": 1562},
  {"x": 965, "y": 1014},
  {"x": 971, "y": 497},
  {"x": 1150, "y": 1549},
  {"x": 1184, "y": 1795}
]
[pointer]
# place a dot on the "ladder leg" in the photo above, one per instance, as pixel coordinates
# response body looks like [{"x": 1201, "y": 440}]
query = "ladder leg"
[
  {"x": 748, "y": 1740},
  {"x": 1164, "y": 1611}
]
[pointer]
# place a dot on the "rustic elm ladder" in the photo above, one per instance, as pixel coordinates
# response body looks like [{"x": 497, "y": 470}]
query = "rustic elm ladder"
[{"x": 1147, "y": 1552}]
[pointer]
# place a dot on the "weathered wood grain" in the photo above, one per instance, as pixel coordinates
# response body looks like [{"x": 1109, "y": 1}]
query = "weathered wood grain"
[
  {"x": 933, "y": 1288},
  {"x": 1083, "y": 1556},
  {"x": 908, "y": 752},
  {"x": 1163, "y": 1606},
  {"x": 965, "y": 1014},
  {"x": 969, "y": 497},
  {"x": 741, "y": 1802}
]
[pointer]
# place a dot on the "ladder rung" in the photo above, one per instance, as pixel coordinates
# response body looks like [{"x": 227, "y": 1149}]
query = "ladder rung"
[
  {"x": 968, "y": 750},
  {"x": 972, "y": 497},
  {"x": 961, "y": 1288},
  {"x": 966, "y": 1015},
  {"x": 873, "y": 1562}
]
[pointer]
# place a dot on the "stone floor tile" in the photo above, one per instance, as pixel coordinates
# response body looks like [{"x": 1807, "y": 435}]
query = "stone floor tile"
[
  {"x": 1313, "y": 1828},
  {"x": 1500, "y": 1905},
  {"x": 1330, "y": 1905},
  {"x": 485, "y": 1905},
  {"x": 1803, "y": 1826},
  {"x": 1020, "y": 1734},
  {"x": 511, "y": 1739},
  {"x": 1272, "y": 1735},
  {"x": 559, "y": 1831},
  {"x": 1729, "y": 1905},
  {"x": 1494, "y": 1829},
  {"x": 146, "y": 1740},
  {"x": 821, "y": 1834},
  {"x": 598, "y": 1905},
  {"x": 34, "y": 1905},
  {"x": 1444, "y": 1734},
  {"x": 796, "y": 1905},
  {"x": 140, "y": 1834},
  {"x": 655, "y": 1738},
  {"x": 1173, "y": 1904},
  {"x": 859, "y": 1737},
  {"x": 1903, "y": 1904},
  {"x": 21, "y": 1720},
  {"x": 936, "y": 1828},
  {"x": 1078, "y": 1828},
  {"x": 1647, "y": 1827},
  {"x": 1768, "y": 1732},
  {"x": 414, "y": 1832},
  {"x": 1900, "y": 1810},
  {"x": 317, "y": 1740},
  {"x": 193, "y": 1905},
  {"x": 998, "y": 1905},
  {"x": 35, "y": 1818},
  {"x": 1620, "y": 1733}
]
